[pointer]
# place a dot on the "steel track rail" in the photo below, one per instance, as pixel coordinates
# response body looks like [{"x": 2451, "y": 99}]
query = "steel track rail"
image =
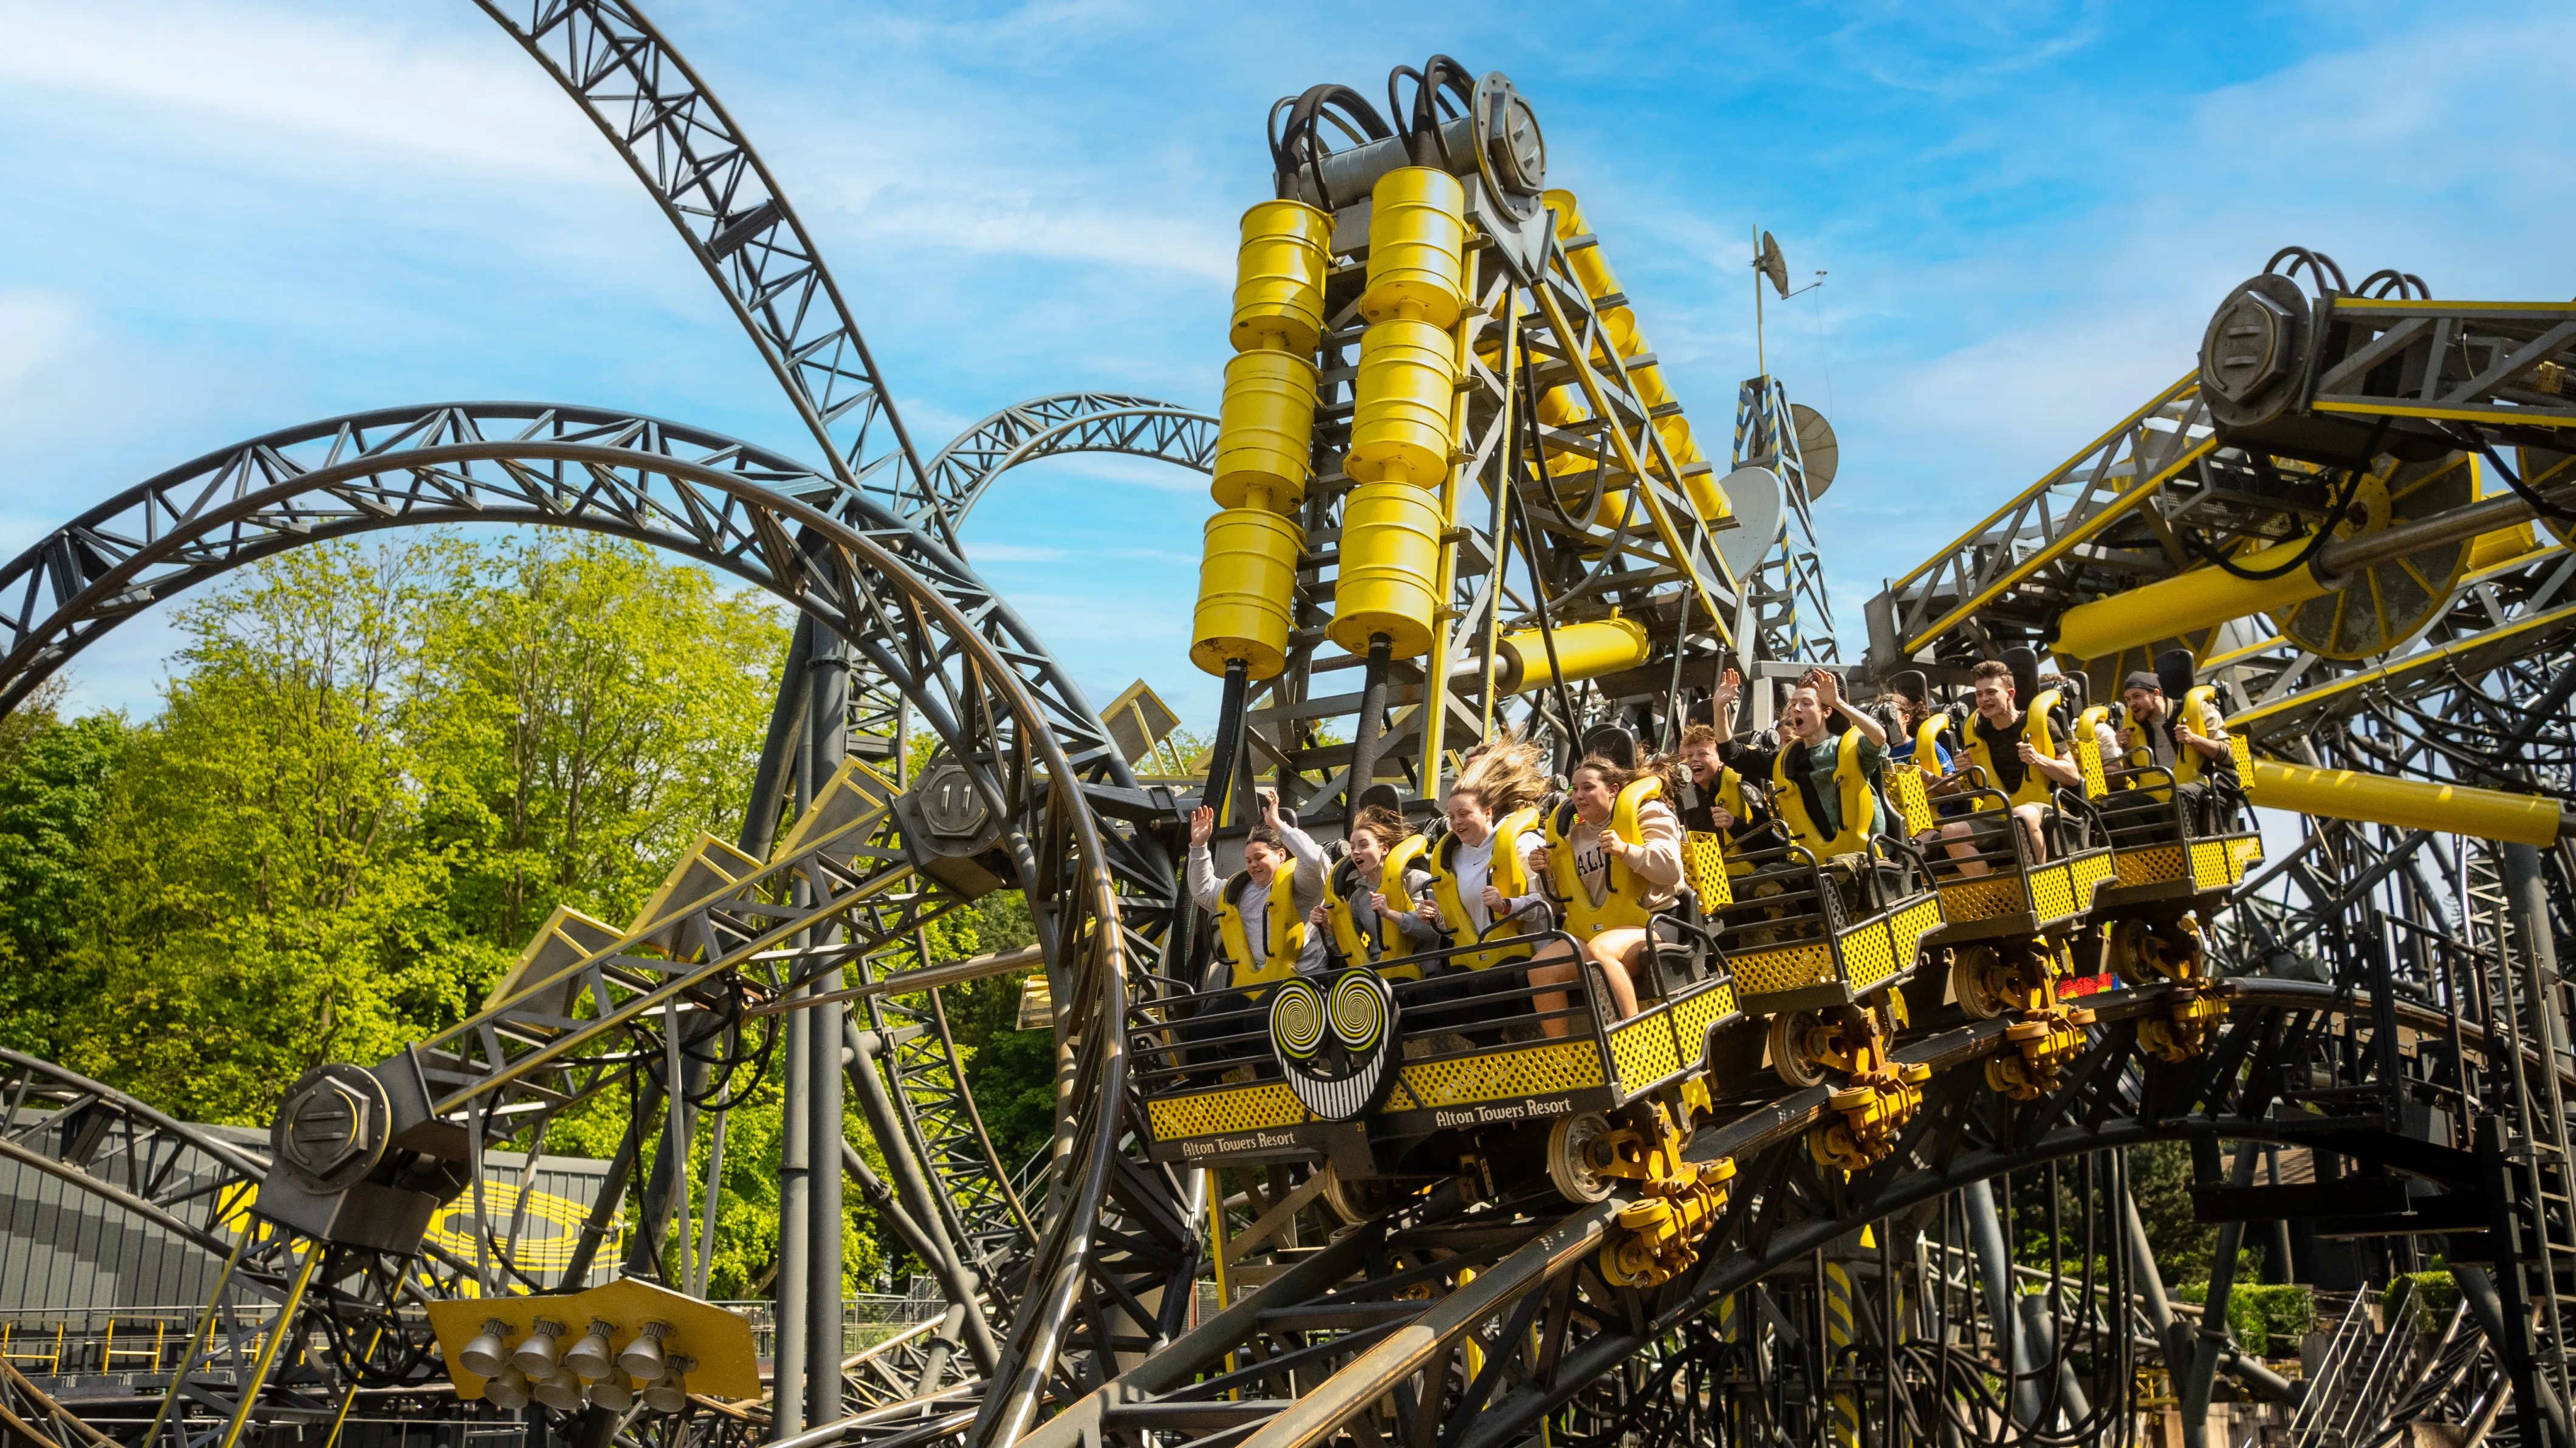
[
  {"x": 660, "y": 117},
  {"x": 1116, "y": 1411},
  {"x": 963, "y": 656}
]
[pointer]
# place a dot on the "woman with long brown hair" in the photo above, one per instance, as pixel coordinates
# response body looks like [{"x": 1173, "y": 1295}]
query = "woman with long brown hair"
[{"x": 1614, "y": 858}]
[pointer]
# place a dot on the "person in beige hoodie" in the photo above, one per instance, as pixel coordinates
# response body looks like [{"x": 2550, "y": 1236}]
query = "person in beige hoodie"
[{"x": 1621, "y": 872}]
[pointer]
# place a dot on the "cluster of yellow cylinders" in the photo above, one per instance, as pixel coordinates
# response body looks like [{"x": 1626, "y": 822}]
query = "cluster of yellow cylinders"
[
  {"x": 1564, "y": 405},
  {"x": 1265, "y": 434},
  {"x": 1404, "y": 414}
]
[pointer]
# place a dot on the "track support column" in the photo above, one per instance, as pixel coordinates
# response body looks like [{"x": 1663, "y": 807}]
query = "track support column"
[{"x": 827, "y": 743}]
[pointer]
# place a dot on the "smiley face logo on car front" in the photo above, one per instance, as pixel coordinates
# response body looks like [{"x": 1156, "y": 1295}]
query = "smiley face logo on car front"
[{"x": 1336, "y": 1044}]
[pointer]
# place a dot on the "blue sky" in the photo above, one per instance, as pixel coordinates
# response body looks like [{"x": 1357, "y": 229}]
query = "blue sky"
[{"x": 230, "y": 218}]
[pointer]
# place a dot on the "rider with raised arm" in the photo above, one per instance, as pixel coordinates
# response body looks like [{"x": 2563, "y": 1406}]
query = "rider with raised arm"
[
  {"x": 1262, "y": 911},
  {"x": 1713, "y": 799},
  {"x": 1823, "y": 783}
]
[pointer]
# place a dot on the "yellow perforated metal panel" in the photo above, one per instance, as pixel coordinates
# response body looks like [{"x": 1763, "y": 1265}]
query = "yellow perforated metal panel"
[
  {"x": 2092, "y": 872},
  {"x": 1785, "y": 967},
  {"x": 1526, "y": 1071},
  {"x": 2209, "y": 865},
  {"x": 1210, "y": 1113},
  {"x": 2242, "y": 855},
  {"x": 1868, "y": 956},
  {"x": 2152, "y": 866},
  {"x": 1909, "y": 925},
  {"x": 1693, "y": 1015},
  {"x": 1983, "y": 899},
  {"x": 2088, "y": 753},
  {"x": 1643, "y": 1049},
  {"x": 1912, "y": 802},
  {"x": 1704, "y": 861},
  {"x": 2052, "y": 892}
]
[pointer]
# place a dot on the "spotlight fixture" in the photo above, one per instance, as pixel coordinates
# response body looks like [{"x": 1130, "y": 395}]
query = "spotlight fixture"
[
  {"x": 489, "y": 1352},
  {"x": 536, "y": 1354},
  {"x": 671, "y": 1394},
  {"x": 560, "y": 1391},
  {"x": 507, "y": 1390},
  {"x": 642, "y": 1358},
  {"x": 591, "y": 1357}
]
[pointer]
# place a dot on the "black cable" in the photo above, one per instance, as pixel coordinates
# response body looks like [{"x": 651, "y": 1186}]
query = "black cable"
[
  {"x": 1396, "y": 110},
  {"x": 2317, "y": 263},
  {"x": 1517, "y": 509},
  {"x": 1440, "y": 74},
  {"x": 1297, "y": 145},
  {"x": 2316, "y": 541},
  {"x": 2522, "y": 490}
]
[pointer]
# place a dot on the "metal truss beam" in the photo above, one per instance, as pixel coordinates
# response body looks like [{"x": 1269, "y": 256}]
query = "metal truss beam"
[
  {"x": 956, "y": 652},
  {"x": 1071, "y": 422},
  {"x": 701, "y": 169}
]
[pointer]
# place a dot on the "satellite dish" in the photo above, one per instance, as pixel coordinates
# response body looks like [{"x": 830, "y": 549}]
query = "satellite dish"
[
  {"x": 1816, "y": 447},
  {"x": 1771, "y": 264},
  {"x": 1755, "y": 496}
]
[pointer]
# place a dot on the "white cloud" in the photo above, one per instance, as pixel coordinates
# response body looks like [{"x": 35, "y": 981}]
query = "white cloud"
[{"x": 244, "y": 76}]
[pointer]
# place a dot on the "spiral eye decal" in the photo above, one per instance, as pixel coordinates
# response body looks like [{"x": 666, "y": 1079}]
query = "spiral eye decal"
[
  {"x": 1359, "y": 1010},
  {"x": 1297, "y": 1019},
  {"x": 1340, "y": 1057}
]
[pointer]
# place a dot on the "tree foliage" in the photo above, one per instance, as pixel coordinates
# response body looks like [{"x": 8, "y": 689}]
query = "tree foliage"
[{"x": 374, "y": 770}]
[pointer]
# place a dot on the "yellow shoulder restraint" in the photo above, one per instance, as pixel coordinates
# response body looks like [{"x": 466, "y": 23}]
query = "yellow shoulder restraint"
[
  {"x": 2088, "y": 750},
  {"x": 2034, "y": 787},
  {"x": 1346, "y": 929},
  {"x": 2188, "y": 766},
  {"x": 1505, "y": 873},
  {"x": 1286, "y": 930},
  {"x": 1851, "y": 790},
  {"x": 1622, "y": 903}
]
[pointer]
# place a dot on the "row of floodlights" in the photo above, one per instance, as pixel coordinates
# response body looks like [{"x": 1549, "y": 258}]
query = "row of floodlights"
[{"x": 534, "y": 1371}]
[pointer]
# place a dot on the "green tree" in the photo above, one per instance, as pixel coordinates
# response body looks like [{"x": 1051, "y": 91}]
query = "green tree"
[
  {"x": 54, "y": 783},
  {"x": 375, "y": 770},
  {"x": 584, "y": 711},
  {"x": 259, "y": 902},
  {"x": 2160, "y": 1182},
  {"x": 1009, "y": 1072}
]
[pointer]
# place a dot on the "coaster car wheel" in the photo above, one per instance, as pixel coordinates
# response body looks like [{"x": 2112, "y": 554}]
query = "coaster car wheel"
[
  {"x": 1791, "y": 1054},
  {"x": 1577, "y": 1150},
  {"x": 1976, "y": 981}
]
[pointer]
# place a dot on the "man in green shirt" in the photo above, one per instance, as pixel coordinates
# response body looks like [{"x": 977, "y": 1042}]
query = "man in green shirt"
[{"x": 1814, "y": 751}]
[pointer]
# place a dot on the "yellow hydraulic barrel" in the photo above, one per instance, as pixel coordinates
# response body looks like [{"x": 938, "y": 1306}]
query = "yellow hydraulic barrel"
[
  {"x": 1583, "y": 651},
  {"x": 1417, "y": 247},
  {"x": 1265, "y": 431},
  {"x": 1265, "y": 442},
  {"x": 2173, "y": 607},
  {"x": 1390, "y": 558},
  {"x": 1407, "y": 384},
  {"x": 2487, "y": 814},
  {"x": 2502, "y": 546},
  {"x": 1279, "y": 278},
  {"x": 1246, "y": 578},
  {"x": 1403, "y": 415},
  {"x": 1400, "y": 420}
]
